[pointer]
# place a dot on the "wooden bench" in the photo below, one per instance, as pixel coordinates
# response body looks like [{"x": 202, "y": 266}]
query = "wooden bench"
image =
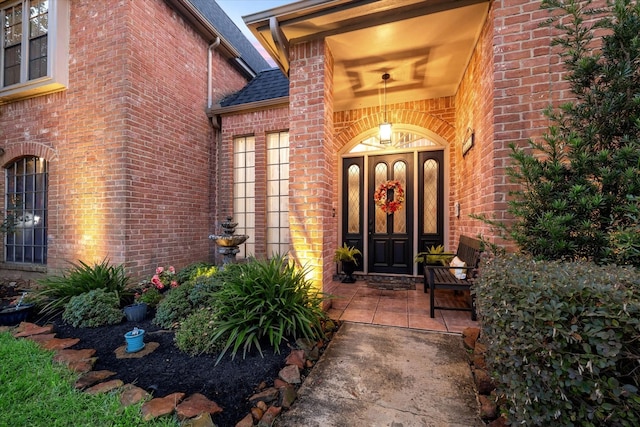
[{"x": 441, "y": 277}]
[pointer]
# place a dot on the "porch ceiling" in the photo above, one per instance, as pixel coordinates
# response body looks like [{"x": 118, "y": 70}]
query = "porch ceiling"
[{"x": 425, "y": 45}]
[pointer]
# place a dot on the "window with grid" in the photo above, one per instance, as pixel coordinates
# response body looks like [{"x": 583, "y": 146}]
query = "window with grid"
[
  {"x": 244, "y": 186},
  {"x": 278, "y": 193},
  {"x": 26, "y": 211},
  {"x": 34, "y": 42}
]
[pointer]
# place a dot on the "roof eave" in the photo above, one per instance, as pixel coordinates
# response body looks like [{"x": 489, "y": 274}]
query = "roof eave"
[
  {"x": 218, "y": 110},
  {"x": 210, "y": 34}
]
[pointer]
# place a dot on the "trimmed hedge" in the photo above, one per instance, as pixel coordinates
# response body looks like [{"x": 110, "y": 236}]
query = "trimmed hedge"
[{"x": 563, "y": 340}]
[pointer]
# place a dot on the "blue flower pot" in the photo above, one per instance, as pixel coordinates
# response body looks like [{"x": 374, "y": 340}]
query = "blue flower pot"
[{"x": 135, "y": 340}]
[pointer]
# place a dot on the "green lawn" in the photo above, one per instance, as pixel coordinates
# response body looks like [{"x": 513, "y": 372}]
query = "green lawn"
[{"x": 36, "y": 392}]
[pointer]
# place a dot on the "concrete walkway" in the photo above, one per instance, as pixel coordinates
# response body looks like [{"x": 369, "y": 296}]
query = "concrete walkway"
[{"x": 387, "y": 376}]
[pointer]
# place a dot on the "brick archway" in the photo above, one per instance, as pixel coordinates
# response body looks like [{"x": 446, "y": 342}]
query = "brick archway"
[{"x": 411, "y": 117}]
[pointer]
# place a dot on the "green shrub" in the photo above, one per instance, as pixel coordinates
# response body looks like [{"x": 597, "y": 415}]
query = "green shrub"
[
  {"x": 94, "y": 308},
  {"x": 56, "y": 291},
  {"x": 195, "y": 270},
  {"x": 174, "y": 307},
  {"x": 195, "y": 333},
  {"x": 204, "y": 288},
  {"x": 562, "y": 340},
  {"x": 270, "y": 300},
  {"x": 149, "y": 295}
]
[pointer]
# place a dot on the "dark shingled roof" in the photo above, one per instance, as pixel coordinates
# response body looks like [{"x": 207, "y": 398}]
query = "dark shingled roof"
[
  {"x": 230, "y": 32},
  {"x": 268, "y": 84}
]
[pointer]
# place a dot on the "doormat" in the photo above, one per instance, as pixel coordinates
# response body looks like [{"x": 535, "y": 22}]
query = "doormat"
[{"x": 396, "y": 283}]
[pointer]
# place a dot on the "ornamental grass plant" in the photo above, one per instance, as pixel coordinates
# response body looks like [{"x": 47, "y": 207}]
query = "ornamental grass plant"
[
  {"x": 57, "y": 290},
  {"x": 266, "y": 301}
]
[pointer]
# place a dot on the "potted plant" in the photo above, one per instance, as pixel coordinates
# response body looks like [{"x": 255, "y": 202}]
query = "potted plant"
[
  {"x": 434, "y": 256},
  {"x": 134, "y": 340},
  {"x": 346, "y": 256}
]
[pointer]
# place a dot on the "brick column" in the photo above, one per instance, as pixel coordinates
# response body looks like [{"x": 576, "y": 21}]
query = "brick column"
[{"x": 312, "y": 183}]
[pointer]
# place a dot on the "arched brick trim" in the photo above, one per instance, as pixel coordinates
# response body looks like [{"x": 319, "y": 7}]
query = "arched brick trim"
[
  {"x": 411, "y": 117},
  {"x": 28, "y": 149}
]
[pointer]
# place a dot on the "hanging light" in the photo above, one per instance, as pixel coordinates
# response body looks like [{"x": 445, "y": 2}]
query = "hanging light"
[{"x": 385, "y": 127}]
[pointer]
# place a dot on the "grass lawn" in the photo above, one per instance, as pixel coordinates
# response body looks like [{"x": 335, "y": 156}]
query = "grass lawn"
[{"x": 36, "y": 392}]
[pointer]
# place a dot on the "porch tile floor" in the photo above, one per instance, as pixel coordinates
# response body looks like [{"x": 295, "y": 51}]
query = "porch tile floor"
[{"x": 355, "y": 302}]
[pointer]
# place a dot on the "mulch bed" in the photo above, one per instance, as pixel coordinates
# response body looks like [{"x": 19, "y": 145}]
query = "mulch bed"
[{"x": 167, "y": 370}]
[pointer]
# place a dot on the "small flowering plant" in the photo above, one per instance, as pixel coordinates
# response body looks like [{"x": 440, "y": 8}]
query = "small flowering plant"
[
  {"x": 165, "y": 278},
  {"x": 150, "y": 292}
]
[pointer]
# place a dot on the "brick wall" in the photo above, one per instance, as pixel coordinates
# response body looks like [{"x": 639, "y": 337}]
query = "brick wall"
[
  {"x": 128, "y": 143},
  {"x": 313, "y": 166}
]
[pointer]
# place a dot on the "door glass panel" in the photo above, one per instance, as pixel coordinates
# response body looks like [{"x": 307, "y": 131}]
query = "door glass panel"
[
  {"x": 353, "y": 190},
  {"x": 400, "y": 216},
  {"x": 430, "y": 186},
  {"x": 381, "y": 217}
]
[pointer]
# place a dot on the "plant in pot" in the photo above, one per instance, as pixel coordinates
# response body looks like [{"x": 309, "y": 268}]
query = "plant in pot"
[
  {"x": 434, "y": 256},
  {"x": 346, "y": 256}
]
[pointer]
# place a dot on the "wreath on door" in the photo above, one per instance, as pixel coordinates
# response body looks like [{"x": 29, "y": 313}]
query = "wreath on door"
[{"x": 380, "y": 197}]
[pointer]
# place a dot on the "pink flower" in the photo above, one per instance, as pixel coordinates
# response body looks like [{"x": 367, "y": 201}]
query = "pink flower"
[
  {"x": 157, "y": 282},
  {"x": 159, "y": 270},
  {"x": 172, "y": 270},
  {"x": 174, "y": 284}
]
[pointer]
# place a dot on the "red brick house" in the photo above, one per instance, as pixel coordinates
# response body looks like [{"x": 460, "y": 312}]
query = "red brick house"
[
  {"x": 145, "y": 153},
  {"x": 106, "y": 145},
  {"x": 465, "y": 79}
]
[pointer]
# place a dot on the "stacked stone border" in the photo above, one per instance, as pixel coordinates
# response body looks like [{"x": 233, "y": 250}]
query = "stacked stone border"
[{"x": 488, "y": 400}]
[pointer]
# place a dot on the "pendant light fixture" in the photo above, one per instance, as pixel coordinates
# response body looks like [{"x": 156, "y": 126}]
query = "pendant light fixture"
[{"x": 385, "y": 127}]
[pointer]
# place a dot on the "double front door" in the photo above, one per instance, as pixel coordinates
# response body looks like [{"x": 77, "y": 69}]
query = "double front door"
[{"x": 396, "y": 211}]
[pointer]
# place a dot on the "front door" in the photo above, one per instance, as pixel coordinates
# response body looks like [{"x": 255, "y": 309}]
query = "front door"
[
  {"x": 387, "y": 229},
  {"x": 390, "y": 227}
]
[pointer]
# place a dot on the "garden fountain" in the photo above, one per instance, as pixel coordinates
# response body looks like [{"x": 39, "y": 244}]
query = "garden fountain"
[
  {"x": 13, "y": 314},
  {"x": 228, "y": 242}
]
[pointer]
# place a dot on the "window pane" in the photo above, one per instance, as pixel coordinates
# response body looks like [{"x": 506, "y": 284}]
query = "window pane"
[
  {"x": 12, "y": 65},
  {"x": 430, "y": 189},
  {"x": 38, "y": 57},
  {"x": 25, "y": 202},
  {"x": 244, "y": 191},
  {"x": 277, "y": 192}
]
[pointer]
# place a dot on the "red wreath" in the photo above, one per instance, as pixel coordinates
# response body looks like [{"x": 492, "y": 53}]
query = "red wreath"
[{"x": 386, "y": 205}]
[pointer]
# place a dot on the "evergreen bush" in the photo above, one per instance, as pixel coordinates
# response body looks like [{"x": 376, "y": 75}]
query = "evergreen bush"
[
  {"x": 562, "y": 340},
  {"x": 579, "y": 186},
  {"x": 92, "y": 309},
  {"x": 195, "y": 333}
]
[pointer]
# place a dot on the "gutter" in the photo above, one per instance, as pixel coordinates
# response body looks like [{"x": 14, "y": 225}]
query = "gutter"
[{"x": 218, "y": 110}]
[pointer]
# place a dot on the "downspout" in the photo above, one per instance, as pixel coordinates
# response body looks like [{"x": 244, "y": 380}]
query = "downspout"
[
  {"x": 212, "y": 46},
  {"x": 214, "y": 122}
]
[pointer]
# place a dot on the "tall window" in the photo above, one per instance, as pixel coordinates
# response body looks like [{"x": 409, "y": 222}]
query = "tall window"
[
  {"x": 244, "y": 191},
  {"x": 26, "y": 211},
  {"x": 278, "y": 193},
  {"x": 34, "y": 41}
]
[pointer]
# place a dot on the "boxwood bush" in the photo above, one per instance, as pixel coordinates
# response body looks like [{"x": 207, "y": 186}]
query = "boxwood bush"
[
  {"x": 91, "y": 309},
  {"x": 563, "y": 340}
]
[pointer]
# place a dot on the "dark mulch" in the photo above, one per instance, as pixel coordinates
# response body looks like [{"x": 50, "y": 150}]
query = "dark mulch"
[{"x": 167, "y": 370}]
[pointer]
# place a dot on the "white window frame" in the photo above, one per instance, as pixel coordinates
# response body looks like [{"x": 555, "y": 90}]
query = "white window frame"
[
  {"x": 57, "y": 76},
  {"x": 278, "y": 233},
  {"x": 244, "y": 191}
]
